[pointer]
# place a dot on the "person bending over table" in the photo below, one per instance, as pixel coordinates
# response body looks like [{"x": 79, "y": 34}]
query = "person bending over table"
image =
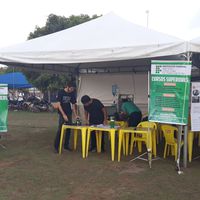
[
  {"x": 95, "y": 114},
  {"x": 65, "y": 98},
  {"x": 132, "y": 111}
]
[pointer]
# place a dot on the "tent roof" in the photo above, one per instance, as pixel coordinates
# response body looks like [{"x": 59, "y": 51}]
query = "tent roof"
[
  {"x": 15, "y": 80},
  {"x": 107, "y": 38},
  {"x": 194, "y": 45}
]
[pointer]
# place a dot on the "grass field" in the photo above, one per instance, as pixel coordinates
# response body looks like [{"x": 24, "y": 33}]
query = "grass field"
[{"x": 30, "y": 170}]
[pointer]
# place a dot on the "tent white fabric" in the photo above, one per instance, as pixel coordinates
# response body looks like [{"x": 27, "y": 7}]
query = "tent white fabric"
[
  {"x": 107, "y": 38},
  {"x": 194, "y": 45},
  {"x": 100, "y": 86}
]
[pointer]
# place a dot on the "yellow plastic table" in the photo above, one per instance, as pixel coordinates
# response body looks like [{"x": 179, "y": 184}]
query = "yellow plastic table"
[
  {"x": 99, "y": 131},
  {"x": 83, "y": 130},
  {"x": 140, "y": 130}
]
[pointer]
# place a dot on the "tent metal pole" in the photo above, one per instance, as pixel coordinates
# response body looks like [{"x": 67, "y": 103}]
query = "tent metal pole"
[
  {"x": 180, "y": 129},
  {"x": 188, "y": 57},
  {"x": 185, "y": 147},
  {"x": 149, "y": 76}
]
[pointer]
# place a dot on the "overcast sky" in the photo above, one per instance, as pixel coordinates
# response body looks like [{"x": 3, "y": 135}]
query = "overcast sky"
[{"x": 176, "y": 17}]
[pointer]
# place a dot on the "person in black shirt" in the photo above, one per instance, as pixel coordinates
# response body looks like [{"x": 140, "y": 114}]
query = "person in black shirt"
[
  {"x": 95, "y": 113},
  {"x": 65, "y": 98}
]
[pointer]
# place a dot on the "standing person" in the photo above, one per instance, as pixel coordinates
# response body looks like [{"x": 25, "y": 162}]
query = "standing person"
[
  {"x": 95, "y": 113},
  {"x": 66, "y": 97},
  {"x": 132, "y": 111}
]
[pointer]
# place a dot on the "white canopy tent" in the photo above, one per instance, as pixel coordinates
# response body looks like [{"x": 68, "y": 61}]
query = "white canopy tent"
[
  {"x": 107, "y": 38},
  {"x": 106, "y": 44}
]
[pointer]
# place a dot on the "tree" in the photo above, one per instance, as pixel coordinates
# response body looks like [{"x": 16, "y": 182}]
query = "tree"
[{"x": 54, "y": 23}]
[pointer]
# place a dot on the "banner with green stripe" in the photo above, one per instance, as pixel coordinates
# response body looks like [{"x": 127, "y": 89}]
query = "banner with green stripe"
[
  {"x": 169, "y": 91},
  {"x": 3, "y": 107}
]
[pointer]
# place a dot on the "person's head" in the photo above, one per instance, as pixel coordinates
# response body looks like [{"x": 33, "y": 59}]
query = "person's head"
[
  {"x": 125, "y": 100},
  {"x": 86, "y": 100},
  {"x": 69, "y": 87}
]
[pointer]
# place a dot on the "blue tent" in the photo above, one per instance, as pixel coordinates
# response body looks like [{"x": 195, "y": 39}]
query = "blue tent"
[{"x": 15, "y": 80}]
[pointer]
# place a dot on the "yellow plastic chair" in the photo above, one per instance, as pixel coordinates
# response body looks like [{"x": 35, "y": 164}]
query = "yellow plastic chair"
[
  {"x": 124, "y": 124},
  {"x": 190, "y": 139},
  {"x": 169, "y": 131},
  {"x": 142, "y": 138}
]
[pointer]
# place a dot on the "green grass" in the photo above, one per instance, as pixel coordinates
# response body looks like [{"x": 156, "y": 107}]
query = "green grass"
[{"x": 29, "y": 170}]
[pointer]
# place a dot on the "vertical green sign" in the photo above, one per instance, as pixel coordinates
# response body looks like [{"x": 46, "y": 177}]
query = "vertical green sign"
[
  {"x": 169, "y": 91},
  {"x": 3, "y": 107}
]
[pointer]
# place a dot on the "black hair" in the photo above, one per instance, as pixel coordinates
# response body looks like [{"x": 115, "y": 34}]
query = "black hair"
[
  {"x": 71, "y": 84},
  {"x": 85, "y": 99},
  {"x": 125, "y": 100}
]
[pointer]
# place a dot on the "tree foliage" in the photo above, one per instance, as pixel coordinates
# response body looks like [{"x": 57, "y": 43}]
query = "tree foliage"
[{"x": 56, "y": 23}]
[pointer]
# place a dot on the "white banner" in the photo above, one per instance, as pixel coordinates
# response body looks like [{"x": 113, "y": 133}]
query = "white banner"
[
  {"x": 195, "y": 106},
  {"x": 3, "y": 89}
]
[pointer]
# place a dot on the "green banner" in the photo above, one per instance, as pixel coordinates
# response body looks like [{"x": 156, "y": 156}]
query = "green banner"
[
  {"x": 3, "y": 107},
  {"x": 169, "y": 91}
]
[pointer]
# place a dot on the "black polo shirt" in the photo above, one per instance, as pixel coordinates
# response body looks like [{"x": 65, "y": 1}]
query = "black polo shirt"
[
  {"x": 96, "y": 115},
  {"x": 66, "y": 99}
]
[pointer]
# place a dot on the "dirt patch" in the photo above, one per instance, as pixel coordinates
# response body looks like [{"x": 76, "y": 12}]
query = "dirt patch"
[
  {"x": 131, "y": 168},
  {"x": 7, "y": 164},
  {"x": 90, "y": 192}
]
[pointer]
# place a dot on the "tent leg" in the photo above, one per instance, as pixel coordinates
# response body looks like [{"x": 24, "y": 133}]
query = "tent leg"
[
  {"x": 180, "y": 128},
  {"x": 185, "y": 147}
]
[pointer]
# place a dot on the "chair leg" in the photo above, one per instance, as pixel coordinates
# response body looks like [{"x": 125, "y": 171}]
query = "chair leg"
[
  {"x": 165, "y": 151},
  {"x": 127, "y": 143},
  {"x": 124, "y": 144},
  {"x": 139, "y": 146},
  {"x": 131, "y": 145},
  {"x": 175, "y": 151},
  {"x": 75, "y": 138}
]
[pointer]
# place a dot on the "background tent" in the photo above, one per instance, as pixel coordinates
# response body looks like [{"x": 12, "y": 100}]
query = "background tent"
[{"x": 15, "y": 80}]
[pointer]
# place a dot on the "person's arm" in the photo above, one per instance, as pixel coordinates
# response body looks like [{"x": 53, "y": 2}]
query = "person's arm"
[
  {"x": 86, "y": 117},
  {"x": 59, "y": 107},
  {"x": 62, "y": 112},
  {"x": 75, "y": 110},
  {"x": 123, "y": 109},
  {"x": 105, "y": 116}
]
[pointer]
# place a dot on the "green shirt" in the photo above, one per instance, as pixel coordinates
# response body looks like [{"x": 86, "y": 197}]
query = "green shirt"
[{"x": 129, "y": 107}]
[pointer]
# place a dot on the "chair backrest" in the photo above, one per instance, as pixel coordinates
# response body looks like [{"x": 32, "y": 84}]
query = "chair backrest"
[
  {"x": 147, "y": 124},
  {"x": 122, "y": 124},
  {"x": 168, "y": 131}
]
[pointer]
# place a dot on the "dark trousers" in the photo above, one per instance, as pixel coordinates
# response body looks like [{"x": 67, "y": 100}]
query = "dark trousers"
[
  {"x": 61, "y": 121},
  {"x": 134, "y": 119}
]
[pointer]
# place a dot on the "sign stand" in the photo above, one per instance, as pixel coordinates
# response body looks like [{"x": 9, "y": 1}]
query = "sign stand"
[{"x": 169, "y": 98}]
